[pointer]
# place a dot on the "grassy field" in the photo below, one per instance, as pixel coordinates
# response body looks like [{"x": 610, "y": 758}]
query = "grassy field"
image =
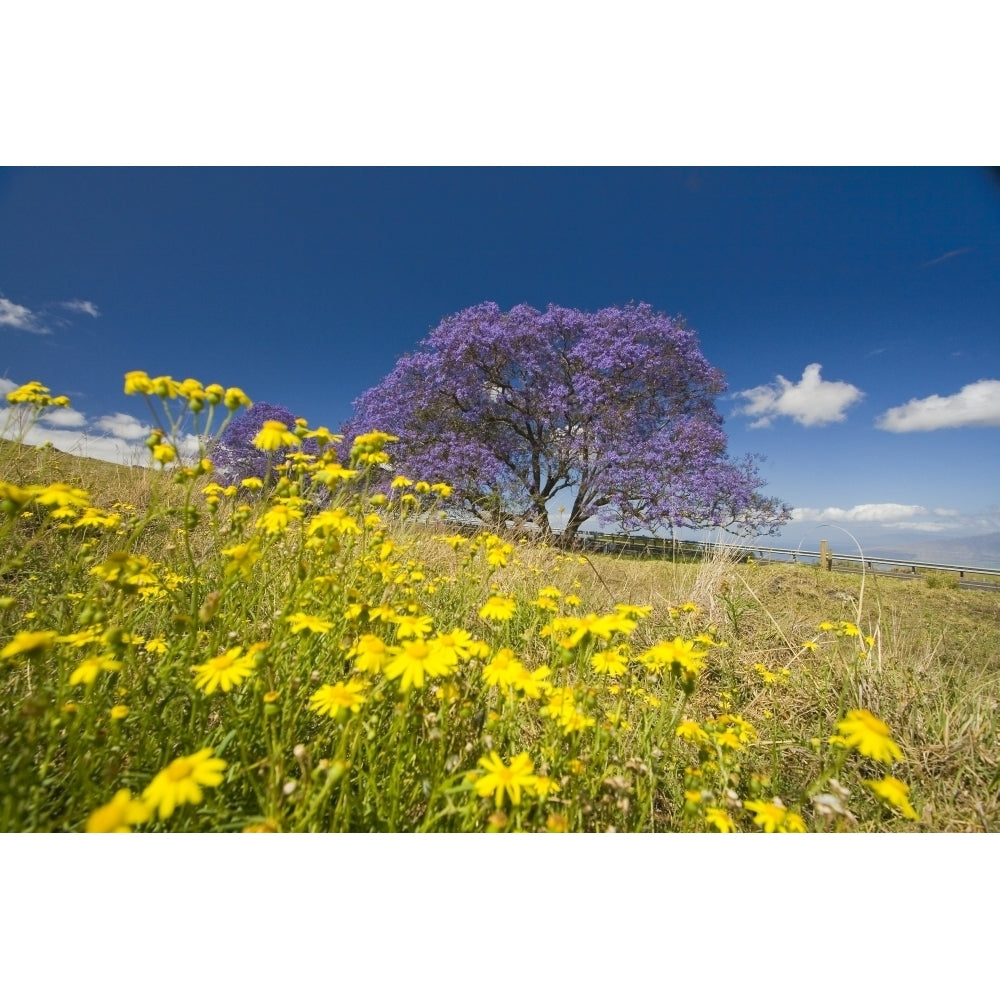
[{"x": 179, "y": 657}]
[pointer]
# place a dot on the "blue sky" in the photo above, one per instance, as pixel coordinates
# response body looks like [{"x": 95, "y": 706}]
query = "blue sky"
[{"x": 855, "y": 312}]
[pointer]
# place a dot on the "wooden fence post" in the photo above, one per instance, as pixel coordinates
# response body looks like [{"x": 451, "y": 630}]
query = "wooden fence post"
[{"x": 825, "y": 555}]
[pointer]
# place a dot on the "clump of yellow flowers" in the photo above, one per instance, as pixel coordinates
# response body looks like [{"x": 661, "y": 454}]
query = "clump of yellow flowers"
[{"x": 305, "y": 653}]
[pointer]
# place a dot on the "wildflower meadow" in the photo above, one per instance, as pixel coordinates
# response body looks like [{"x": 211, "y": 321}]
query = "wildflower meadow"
[{"x": 299, "y": 651}]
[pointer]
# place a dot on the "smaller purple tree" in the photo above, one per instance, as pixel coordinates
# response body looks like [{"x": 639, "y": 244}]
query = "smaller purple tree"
[{"x": 234, "y": 456}]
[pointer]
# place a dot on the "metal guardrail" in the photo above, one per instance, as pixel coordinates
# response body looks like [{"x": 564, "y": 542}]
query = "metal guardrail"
[{"x": 666, "y": 547}]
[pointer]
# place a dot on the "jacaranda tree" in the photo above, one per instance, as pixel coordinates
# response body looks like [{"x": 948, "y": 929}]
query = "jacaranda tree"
[
  {"x": 616, "y": 408},
  {"x": 234, "y": 455}
]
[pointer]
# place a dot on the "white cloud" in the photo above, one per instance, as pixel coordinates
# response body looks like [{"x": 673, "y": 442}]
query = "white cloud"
[
  {"x": 115, "y": 437},
  {"x": 810, "y": 402},
  {"x": 64, "y": 417},
  {"x": 82, "y": 306},
  {"x": 188, "y": 446},
  {"x": 947, "y": 256},
  {"x": 123, "y": 425},
  {"x": 7, "y": 386},
  {"x": 79, "y": 442},
  {"x": 20, "y": 317},
  {"x": 103, "y": 446},
  {"x": 975, "y": 405},
  {"x": 926, "y": 527},
  {"x": 868, "y": 512},
  {"x": 896, "y": 517}
]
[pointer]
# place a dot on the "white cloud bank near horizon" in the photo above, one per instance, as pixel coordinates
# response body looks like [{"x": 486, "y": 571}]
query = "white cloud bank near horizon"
[
  {"x": 901, "y": 517},
  {"x": 811, "y": 401},
  {"x": 114, "y": 437},
  {"x": 85, "y": 443},
  {"x": 974, "y": 405}
]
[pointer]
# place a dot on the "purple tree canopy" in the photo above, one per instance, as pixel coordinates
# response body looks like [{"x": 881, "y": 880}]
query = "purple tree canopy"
[
  {"x": 234, "y": 455},
  {"x": 616, "y": 407}
]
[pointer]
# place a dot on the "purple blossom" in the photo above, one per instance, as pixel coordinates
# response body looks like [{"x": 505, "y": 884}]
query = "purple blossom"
[
  {"x": 616, "y": 407},
  {"x": 234, "y": 455}
]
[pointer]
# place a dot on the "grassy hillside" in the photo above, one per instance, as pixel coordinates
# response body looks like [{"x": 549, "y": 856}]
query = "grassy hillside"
[{"x": 172, "y": 658}]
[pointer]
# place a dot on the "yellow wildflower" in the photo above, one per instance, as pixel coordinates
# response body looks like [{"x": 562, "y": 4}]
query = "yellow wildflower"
[
  {"x": 165, "y": 387},
  {"x": 279, "y": 515},
  {"x": 242, "y": 558},
  {"x": 774, "y": 817},
  {"x": 367, "y": 448},
  {"x": 61, "y": 495},
  {"x": 636, "y": 611},
  {"x": 690, "y": 730},
  {"x": 333, "y": 522},
  {"x": 137, "y": 382},
  {"x": 33, "y": 393},
  {"x": 498, "y": 608},
  {"x": 869, "y": 736},
  {"x": 561, "y": 706},
  {"x": 503, "y": 669},
  {"x": 273, "y": 436},
  {"x": 598, "y": 626},
  {"x": 164, "y": 453},
  {"x": 464, "y": 645},
  {"x": 227, "y": 671},
  {"x": 719, "y": 819},
  {"x": 370, "y": 653},
  {"x": 331, "y": 698},
  {"x": 610, "y": 661},
  {"x": 91, "y": 667},
  {"x": 181, "y": 781},
  {"x": 235, "y": 398},
  {"x": 545, "y": 785},
  {"x": 334, "y": 471},
  {"x": 13, "y": 497},
  {"x": 895, "y": 793},
  {"x": 119, "y": 815},
  {"x": 323, "y": 436},
  {"x": 414, "y": 626},
  {"x": 498, "y": 552},
  {"x": 300, "y": 621},
  {"x": 680, "y": 657},
  {"x": 414, "y": 659},
  {"x": 506, "y": 779},
  {"x": 29, "y": 644},
  {"x": 94, "y": 517}
]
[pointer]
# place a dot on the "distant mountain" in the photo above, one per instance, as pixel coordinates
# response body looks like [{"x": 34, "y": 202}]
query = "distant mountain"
[{"x": 978, "y": 550}]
